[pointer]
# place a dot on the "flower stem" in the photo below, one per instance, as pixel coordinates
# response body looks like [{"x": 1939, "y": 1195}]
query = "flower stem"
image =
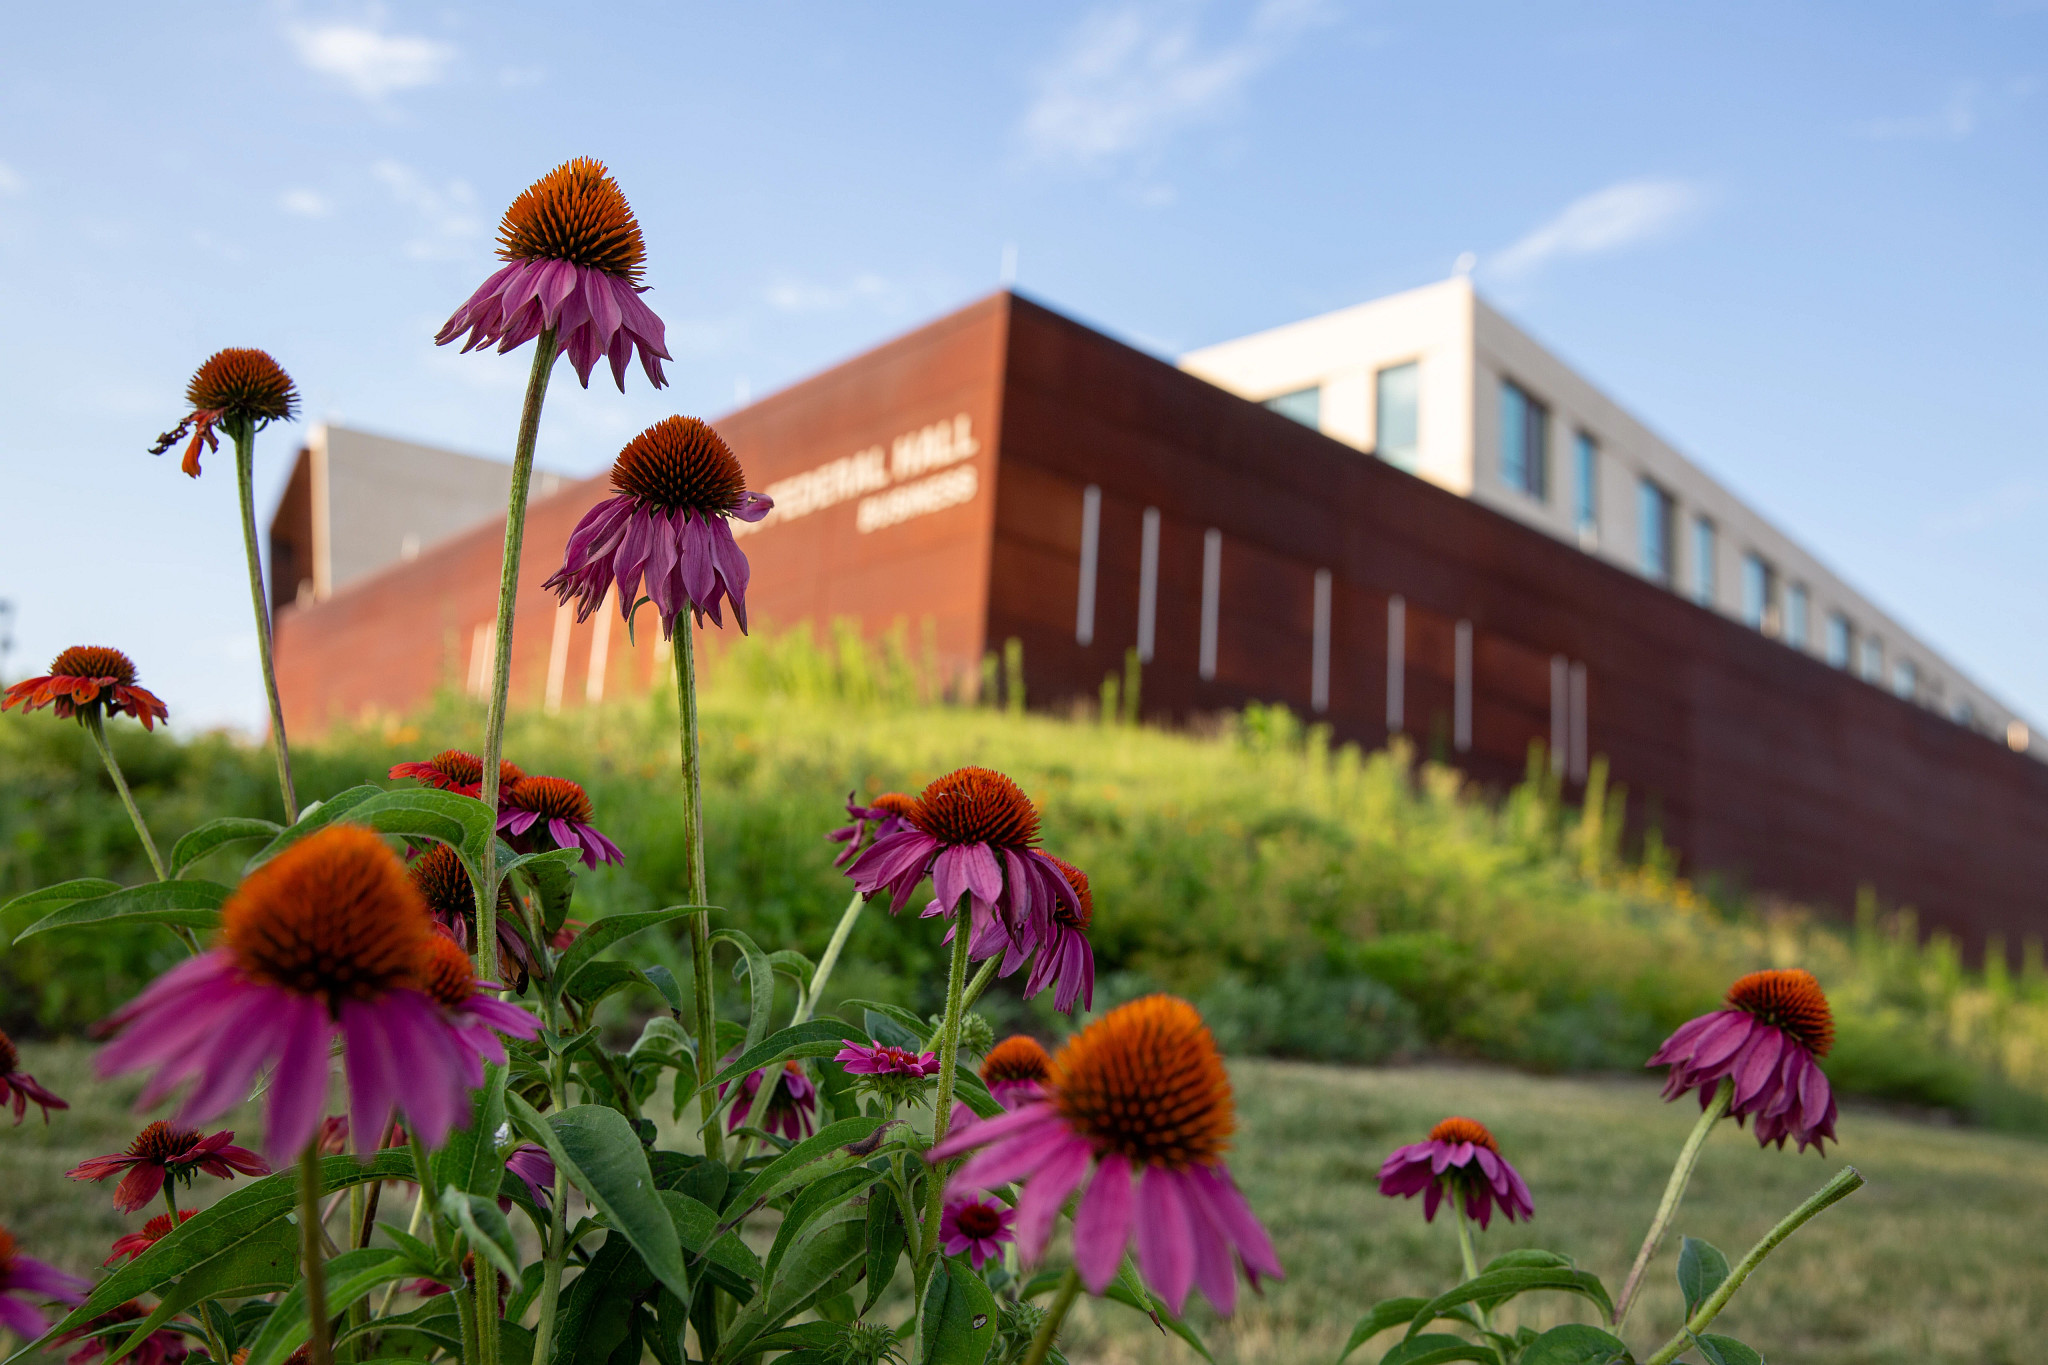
[
  {"x": 501, "y": 665},
  {"x": 1674, "y": 1191},
  {"x": 1846, "y": 1182},
  {"x": 1041, "y": 1343},
  {"x": 942, "y": 1103},
  {"x": 244, "y": 436},
  {"x": 557, "y": 1250},
  {"x": 980, "y": 983},
  {"x": 171, "y": 1199},
  {"x": 95, "y": 724},
  {"x": 430, "y": 1189},
  {"x": 840, "y": 935},
  {"x": 319, "y": 1345},
  {"x": 1469, "y": 1255},
  {"x": 685, "y": 652}
]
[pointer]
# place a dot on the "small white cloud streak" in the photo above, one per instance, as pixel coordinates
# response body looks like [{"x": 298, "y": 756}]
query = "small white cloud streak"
[
  {"x": 448, "y": 213},
  {"x": 305, "y": 203},
  {"x": 798, "y": 296},
  {"x": 371, "y": 63},
  {"x": 1136, "y": 73},
  {"x": 10, "y": 180},
  {"x": 1606, "y": 220},
  {"x": 1953, "y": 122}
]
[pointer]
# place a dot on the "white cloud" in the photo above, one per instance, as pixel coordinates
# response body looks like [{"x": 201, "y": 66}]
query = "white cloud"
[
  {"x": 1136, "y": 73},
  {"x": 799, "y": 296},
  {"x": 10, "y": 180},
  {"x": 1952, "y": 122},
  {"x": 448, "y": 213},
  {"x": 368, "y": 61},
  {"x": 1605, "y": 220},
  {"x": 305, "y": 203}
]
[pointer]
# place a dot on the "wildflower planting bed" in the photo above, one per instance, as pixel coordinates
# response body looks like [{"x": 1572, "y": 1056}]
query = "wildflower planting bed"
[{"x": 1939, "y": 1259}]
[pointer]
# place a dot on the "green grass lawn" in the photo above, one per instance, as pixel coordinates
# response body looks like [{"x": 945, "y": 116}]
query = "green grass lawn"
[{"x": 1942, "y": 1257}]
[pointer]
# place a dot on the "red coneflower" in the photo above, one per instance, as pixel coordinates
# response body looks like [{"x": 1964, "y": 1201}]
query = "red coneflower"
[
  {"x": 1459, "y": 1160},
  {"x": 1767, "y": 1039},
  {"x": 133, "y": 1244},
  {"x": 450, "y": 895},
  {"x": 23, "y": 1278},
  {"x": 160, "y": 1152},
  {"x": 1016, "y": 1070},
  {"x": 679, "y": 484},
  {"x": 889, "y": 813},
  {"x": 19, "y": 1088},
  {"x": 323, "y": 941},
  {"x": 977, "y": 1228},
  {"x": 238, "y": 384},
  {"x": 85, "y": 677},
  {"x": 1142, "y": 1093},
  {"x": 452, "y": 770},
  {"x": 576, "y": 255},
  {"x": 553, "y": 812}
]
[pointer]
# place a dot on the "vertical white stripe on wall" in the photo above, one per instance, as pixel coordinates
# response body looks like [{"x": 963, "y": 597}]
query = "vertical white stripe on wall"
[
  {"x": 1560, "y": 713},
  {"x": 1212, "y": 593},
  {"x": 1091, "y": 539},
  {"x": 558, "y": 658},
  {"x": 600, "y": 646},
  {"x": 1461, "y": 700},
  {"x": 1148, "y": 585},
  {"x": 483, "y": 649},
  {"x": 1578, "y": 723},
  {"x": 1397, "y": 661},
  {"x": 1319, "y": 654}
]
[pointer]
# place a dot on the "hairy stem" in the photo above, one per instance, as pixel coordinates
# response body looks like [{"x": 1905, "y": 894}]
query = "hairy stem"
[
  {"x": 1055, "y": 1314},
  {"x": 1674, "y": 1191},
  {"x": 980, "y": 983},
  {"x": 320, "y": 1345},
  {"x": 840, "y": 934},
  {"x": 1846, "y": 1182},
  {"x": 685, "y": 652},
  {"x": 1468, "y": 1254},
  {"x": 501, "y": 666},
  {"x": 95, "y": 725},
  {"x": 942, "y": 1103},
  {"x": 244, "y": 436},
  {"x": 557, "y": 1249}
]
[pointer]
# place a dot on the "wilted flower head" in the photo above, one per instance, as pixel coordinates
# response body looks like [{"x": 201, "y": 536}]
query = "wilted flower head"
[
  {"x": 325, "y": 940},
  {"x": 553, "y": 812},
  {"x": 976, "y": 1228},
  {"x": 679, "y": 485},
  {"x": 133, "y": 1244},
  {"x": 24, "y": 1281},
  {"x": 19, "y": 1088},
  {"x": 1015, "y": 1070},
  {"x": 1776, "y": 1024},
  {"x": 792, "y": 1111},
  {"x": 1142, "y": 1093},
  {"x": 453, "y": 770},
  {"x": 236, "y": 385},
  {"x": 888, "y": 813},
  {"x": 1065, "y": 959},
  {"x": 576, "y": 256},
  {"x": 162, "y": 1152},
  {"x": 1459, "y": 1160},
  {"x": 83, "y": 679}
]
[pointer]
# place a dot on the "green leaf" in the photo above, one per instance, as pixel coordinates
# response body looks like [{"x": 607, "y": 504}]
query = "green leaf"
[
  {"x": 1384, "y": 1314},
  {"x": 601, "y": 1155},
  {"x": 1530, "y": 1258},
  {"x": 760, "y": 983},
  {"x": 1128, "y": 1290},
  {"x": 1576, "y": 1344},
  {"x": 1437, "y": 1348},
  {"x": 971, "y": 1091},
  {"x": 63, "y": 893},
  {"x": 611, "y": 929},
  {"x": 488, "y": 1232},
  {"x": 664, "y": 980},
  {"x": 885, "y": 1247},
  {"x": 313, "y": 818},
  {"x": 907, "y": 1018},
  {"x": 473, "y": 1158},
  {"x": 817, "y": 1197},
  {"x": 552, "y": 876},
  {"x": 350, "y": 1276},
  {"x": 959, "y": 1320},
  {"x": 793, "y": 965},
  {"x": 1701, "y": 1270},
  {"x": 1498, "y": 1286},
  {"x": 811, "y": 1159},
  {"x": 600, "y": 979},
  {"x": 217, "y": 834},
  {"x": 1720, "y": 1350},
  {"x": 816, "y": 1038},
  {"x": 597, "y": 1308},
  {"x": 806, "y": 1270},
  {"x": 195, "y": 905},
  {"x": 890, "y": 1031},
  {"x": 265, "y": 1262},
  {"x": 697, "y": 1229}
]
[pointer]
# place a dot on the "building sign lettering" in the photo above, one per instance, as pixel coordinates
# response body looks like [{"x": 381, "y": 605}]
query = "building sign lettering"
[{"x": 865, "y": 474}]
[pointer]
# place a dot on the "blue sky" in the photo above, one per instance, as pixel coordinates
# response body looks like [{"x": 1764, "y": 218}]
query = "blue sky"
[{"x": 1803, "y": 241}]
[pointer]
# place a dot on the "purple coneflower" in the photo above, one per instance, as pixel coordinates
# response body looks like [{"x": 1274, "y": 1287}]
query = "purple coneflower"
[
  {"x": 163, "y": 1152},
  {"x": 1015, "y": 1070},
  {"x": 553, "y": 812},
  {"x": 452, "y": 770},
  {"x": 976, "y": 1228},
  {"x": 1767, "y": 1039},
  {"x": 679, "y": 484},
  {"x": 20, "y": 1089},
  {"x": 323, "y": 941},
  {"x": 237, "y": 384},
  {"x": 889, "y": 814},
  {"x": 444, "y": 973},
  {"x": 1065, "y": 960},
  {"x": 85, "y": 677},
  {"x": 792, "y": 1111},
  {"x": 161, "y": 1347},
  {"x": 1142, "y": 1093},
  {"x": 536, "y": 1170},
  {"x": 575, "y": 255},
  {"x": 1459, "y": 1160},
  {"x": 133, "y": 1244},
  {"x": 450, "y": 895},
  {"x": 973, "y": 833},
  {"x": 880, "y": 1059},
  {"x": 23, "y": 1278}
]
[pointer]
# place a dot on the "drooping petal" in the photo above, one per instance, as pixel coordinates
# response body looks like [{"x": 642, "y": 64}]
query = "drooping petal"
[
  {"x": 298, "y": 1084},
  {"x": 1038, "y": 1206},
  {"x": 1102, "y": 1223},
  {"x": 1166, "y": 1250}
]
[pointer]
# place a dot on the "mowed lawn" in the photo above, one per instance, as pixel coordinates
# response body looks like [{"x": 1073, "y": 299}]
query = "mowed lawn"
[{"x": 1942, "y": 1257}]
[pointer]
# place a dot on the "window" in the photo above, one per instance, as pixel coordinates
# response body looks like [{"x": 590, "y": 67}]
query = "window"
[
  {"x": 1796, "y": 613},
  {"x": 1837, "y": 643},
  {"x": 1397, "y": 415},
  {"x": 1703, "y": 561},
  {"x": 1759, "y": 594},
  {"x": 1871, "y": 664},
  {"x": 1653, "y": 518},
  {"x": 1586, "y": 483},
  {"x": 1303, "y": 405},
  {"x": 1524, "y": 441},
  {"x": 1905, "y": 679}
]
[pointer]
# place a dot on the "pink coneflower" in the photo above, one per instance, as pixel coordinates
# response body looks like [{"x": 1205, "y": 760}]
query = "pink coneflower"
[
  {"x": 1016, "y": 1070},
  {"x": 889, "y": 813},
  {"x": 163, "y": 1347},
  {"x": 679, "y": 485},
  {"x": 238, "y": 384},
  {"x": 450, "y": 895},
  {"x": 1459, "y": 1160},
  {"x": 133, "y": 1244},
  {"x": 444, "y": 973},
  {"x": 553, "y": 812},
  {"x": 575, "y": 254},
  {"x": 160, "y": 1152},
  {"x": 973, "y": 833},
  {"x": 536, "y": 1170},
  {"x": 1767, "y": 1039},
  {"x": 976, "y": 1228},
  {"x": 20, "y": 1089},
  {"x": 23, "y": 1278},
  {"x": 322, "y": 941},
  {"x": 1065, "y": 960},
  {"x": 452, "y": 770},
  {"x": 792, "y": 1111},
  {"x": 880, "y": 1059},
  {"x": 84, "y": 678},
  {"x": 1140, "y": 1092}
]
